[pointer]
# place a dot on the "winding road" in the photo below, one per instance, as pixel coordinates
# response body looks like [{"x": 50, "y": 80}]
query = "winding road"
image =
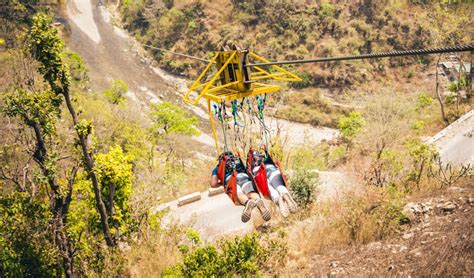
[{"x": 110, "y": 53}]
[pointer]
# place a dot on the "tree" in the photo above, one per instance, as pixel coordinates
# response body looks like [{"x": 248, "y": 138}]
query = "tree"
[
  {"x": 116, "y": 93},
  {"x": 39, "y": 111},
  {"x": 46, "y": 47},
  {"x": 169, "y": 119},
  {"x": 351, "y": 125},
  {"x": 114, "y": 171}
]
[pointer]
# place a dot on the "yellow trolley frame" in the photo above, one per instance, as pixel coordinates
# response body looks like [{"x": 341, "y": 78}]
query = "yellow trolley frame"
[{"x": 234, "y": 80}]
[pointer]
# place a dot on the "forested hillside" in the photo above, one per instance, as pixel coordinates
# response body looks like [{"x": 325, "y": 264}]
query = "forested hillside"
[
  {"x": 288, "y": 30},
  {"x": 89, "y": 178},
  {"x": 284, "y": 30}
]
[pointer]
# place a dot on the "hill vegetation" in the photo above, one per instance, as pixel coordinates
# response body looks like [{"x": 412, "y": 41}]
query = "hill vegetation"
[
  {"x": 288, "y": 30},
  {"x": 80, "y": 171}
]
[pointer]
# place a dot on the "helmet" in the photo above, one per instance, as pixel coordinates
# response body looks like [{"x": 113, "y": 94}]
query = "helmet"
[{"x": 256, "y": 158}]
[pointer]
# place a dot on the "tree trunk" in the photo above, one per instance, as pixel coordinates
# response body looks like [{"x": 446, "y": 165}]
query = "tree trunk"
[
  {"x": 59, "y": 204},
  {"x": 89, "y": 165},
  {"x": 438, "y": 95}
]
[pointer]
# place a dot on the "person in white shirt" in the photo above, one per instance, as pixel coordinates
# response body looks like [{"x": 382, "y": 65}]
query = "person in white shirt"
[
  {"x": 279, "y": 194},
  {"x": 246, "y": 193}
]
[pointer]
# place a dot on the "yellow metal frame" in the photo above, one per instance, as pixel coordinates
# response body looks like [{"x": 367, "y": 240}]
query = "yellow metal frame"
[{"x": 235, "y": 89}]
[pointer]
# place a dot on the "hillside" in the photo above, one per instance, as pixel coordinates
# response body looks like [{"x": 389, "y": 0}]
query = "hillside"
[
  {"x": 104, "y": 170},
  {"x": 286, "y": 30}
]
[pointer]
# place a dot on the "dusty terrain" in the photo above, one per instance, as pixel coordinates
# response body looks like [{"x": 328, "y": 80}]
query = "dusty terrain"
[
  {"x": 439, "y": 241},
  {"x": 110, "y": 53}
]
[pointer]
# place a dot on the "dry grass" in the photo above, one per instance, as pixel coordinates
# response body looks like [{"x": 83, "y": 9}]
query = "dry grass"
[{"x": 154, "y": 253}]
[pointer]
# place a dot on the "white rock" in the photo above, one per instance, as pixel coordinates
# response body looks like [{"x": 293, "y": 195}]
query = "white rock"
[{"x": 407, "y": 236}]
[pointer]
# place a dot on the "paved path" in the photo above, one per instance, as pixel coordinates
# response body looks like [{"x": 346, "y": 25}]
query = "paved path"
[
  {"x": 455, "y": 143},
  {"x": 217, "y": 216}
]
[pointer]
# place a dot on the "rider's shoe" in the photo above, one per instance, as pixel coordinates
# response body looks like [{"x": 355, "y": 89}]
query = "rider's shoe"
[
  {"x": 290, "y": 202},
  {"x": 247, "y": 213},
  {"x": 283, "y": 208},
  {"x": 266, "y": 214}
]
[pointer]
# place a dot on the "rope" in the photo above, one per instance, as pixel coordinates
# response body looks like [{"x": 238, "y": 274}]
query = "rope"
[
  {"x": 261, "y": 105},
  {"x": 413, "y": 52},
  {"x": 221, "y": 116}
]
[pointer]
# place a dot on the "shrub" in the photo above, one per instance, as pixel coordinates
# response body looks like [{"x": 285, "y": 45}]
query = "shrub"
[
  {"x": 351, "y": 125},
  {"x": 374, "y": 216},
  {"x": 418, "y": 125},
  {"x": 423, "y": 100},
  {"x": 115, "y": 176},
  {"x": 304, "y": 186},
  {"x": 26, "y": 243},
  {"x": 307, "y": 80},
  {"x": 326, "y": 10},
  {"x": 116, "y": 93},
  {"x": 76, "y": 65},
  {"x": 453, "y": 86},
  {"x": 169, "y": 118},
  {"x": 240, "y": 256}
]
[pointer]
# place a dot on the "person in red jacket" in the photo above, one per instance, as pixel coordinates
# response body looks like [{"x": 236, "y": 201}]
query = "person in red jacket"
[
  {"x": 246, "y": 193},
  {"x": 278, "y": 191}
]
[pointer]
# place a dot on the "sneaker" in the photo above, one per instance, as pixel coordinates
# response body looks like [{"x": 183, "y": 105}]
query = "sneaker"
[
  {"x": 290, "y": 202},
  {"x": 266, "y": 215},
  {"x": 283, "y": 208},
  {"x": 247, "y": 213}
]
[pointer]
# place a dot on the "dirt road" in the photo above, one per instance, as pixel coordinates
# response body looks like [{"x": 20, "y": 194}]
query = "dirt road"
[
  {"x": 217, "y": 216},
  {"x": 106, "y": 51}
]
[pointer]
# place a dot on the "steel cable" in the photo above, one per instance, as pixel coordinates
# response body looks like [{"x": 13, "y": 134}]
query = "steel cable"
[{"x": 412, "y": 52}]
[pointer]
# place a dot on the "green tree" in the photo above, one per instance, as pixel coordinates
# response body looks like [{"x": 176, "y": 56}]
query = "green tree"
[
  {"x": 46, "y": 47},
  {"x": 422, "y": 156},
  {"x": 39, "y": 112},
  {"x": 304, "y": 186},
  {"x": 169, "y": 119},
  {"x": 116, "y": 93},
  {"x": 26, "y": 242},
  {"x": 114, "y": 171},
  {"x": 351, "y": 125}
]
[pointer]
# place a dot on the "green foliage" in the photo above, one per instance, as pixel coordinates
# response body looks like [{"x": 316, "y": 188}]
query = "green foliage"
[
  {"x": 372, "y": 217},
  {"x": 304, "y": 186},
  {"x": 326, "y": 10},
  {"x": 303, "y": 158},
  {"x": 423, "y": 101},
  {"x": 46, "y": 46},
  {"x": 422, "y": 156},
  {"x": 307, "y": 80},
  {"x": 351, "y": 125},
  {"x": 34, "y": 107},
  {"x": 115, "y": 175},
  {"x": 169, "y": 118},
  {"x": 26, "y": 243},
  {"x": 337, "y": 155},
  {"x": 193, "y": 235},
  {"x": 84, "y": 128},
  {"x": 391, "y": 159},
  {"x": 240, "y": 256},
  {"x": 418, "y": 125},
  {"x": 76, "y": 65},
  {"x": 116, "y": 93},
  {"x": 391, "y": 213},
  {"x": 453, "y": 86}
]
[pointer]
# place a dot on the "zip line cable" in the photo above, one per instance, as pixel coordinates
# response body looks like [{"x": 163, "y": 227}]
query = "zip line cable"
[
  {"x": 413, "y": 52},
  {"x": 177, "y": 54},
  {"x": 400, "y": 53}
]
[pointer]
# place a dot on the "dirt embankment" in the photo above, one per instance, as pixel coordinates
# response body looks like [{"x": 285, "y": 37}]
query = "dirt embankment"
[{"x": 439, "y": 241}]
